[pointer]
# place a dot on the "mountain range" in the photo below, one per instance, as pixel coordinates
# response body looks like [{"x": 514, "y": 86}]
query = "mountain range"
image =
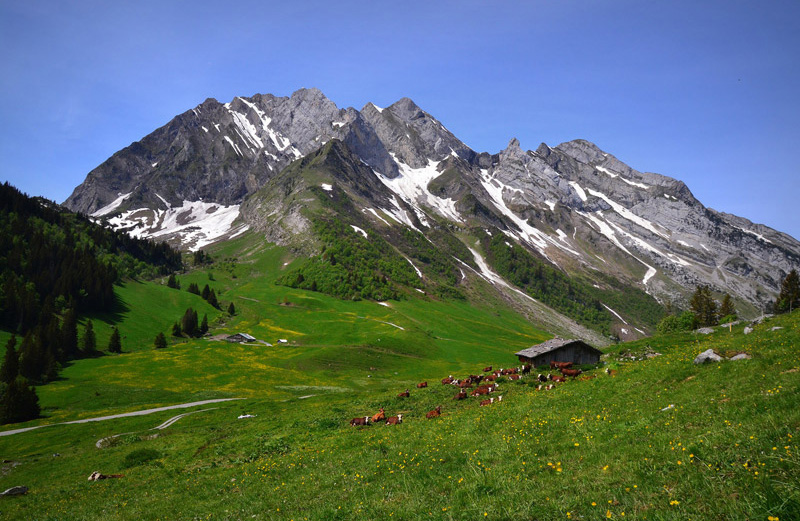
[{"x": 570, "y": 216}]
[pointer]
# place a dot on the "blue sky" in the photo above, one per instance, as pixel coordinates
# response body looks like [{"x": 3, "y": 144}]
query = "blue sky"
[{"x": 706, "y": 92}]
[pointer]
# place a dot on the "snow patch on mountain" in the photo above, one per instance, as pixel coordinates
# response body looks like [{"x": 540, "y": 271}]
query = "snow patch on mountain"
[
  {"x": 411, "y": 185},
  {"x": 113, "y": 205},
  {"x": 196, "y": 223},
  {"x": 629, "y": 215},
  {"x": 618, "y": 176}
]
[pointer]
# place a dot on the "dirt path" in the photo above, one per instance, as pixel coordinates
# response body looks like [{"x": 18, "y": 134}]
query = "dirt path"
[{"x": 122, "y": 415}]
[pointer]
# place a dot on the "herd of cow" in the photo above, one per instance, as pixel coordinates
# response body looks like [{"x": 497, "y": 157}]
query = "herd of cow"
[{"x": 482, "y": 389}]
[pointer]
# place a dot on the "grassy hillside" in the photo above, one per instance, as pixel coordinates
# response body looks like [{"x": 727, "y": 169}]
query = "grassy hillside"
[{"x": 661, "y": 439}]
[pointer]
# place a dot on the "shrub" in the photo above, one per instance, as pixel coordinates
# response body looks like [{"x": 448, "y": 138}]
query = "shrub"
[{"x": 140, "y": 457}]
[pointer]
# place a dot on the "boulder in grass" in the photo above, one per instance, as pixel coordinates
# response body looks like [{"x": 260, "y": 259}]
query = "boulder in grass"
[
  {"x": 707, "y": 356},
  {"x": 748, "y": 330},
  {"x": 741, "y": 356},
  {"x": 704, "y": 330}
]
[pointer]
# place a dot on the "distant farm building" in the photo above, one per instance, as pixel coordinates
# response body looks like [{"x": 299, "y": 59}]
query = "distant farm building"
[
  {"x": 239, "y": 338},
  {"x": 560, "y": 350}
]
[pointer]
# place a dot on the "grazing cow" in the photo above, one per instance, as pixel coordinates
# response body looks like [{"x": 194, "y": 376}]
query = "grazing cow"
[
  {"x": 570, "y": 372},
  {"x": 514, "y": 377},
  {"x": 476, "y": 378},
  {"x": 460, "y": 396},
  {"x": 94, "y": 476},
  {"x": 551, "y": 387},
  {"x": 422, "y": 385},
  {"x": 448, "y": 380},
  {"x": 360, "y": 421},
  {"x": 538, "y": 387},
  {"x": 542, "y": 378},
  {"x": 526, "y": 368},
  {"x": 404, "y": 394},
  {"x": 487, "y": 402},
  {"x": 434, "y": 413},
  {"x": 559, "y": 365},
  {"x": 394, "y": 420},
  {"x": 559, "y": 379},
  {"x": 611, "y": 372},
  {"x": 379, "y": 416},
  {"x": 487, "y": 369}
]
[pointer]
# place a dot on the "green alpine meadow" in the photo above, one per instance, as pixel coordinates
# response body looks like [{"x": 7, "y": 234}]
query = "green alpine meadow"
[{"x": 644, "y": 434}]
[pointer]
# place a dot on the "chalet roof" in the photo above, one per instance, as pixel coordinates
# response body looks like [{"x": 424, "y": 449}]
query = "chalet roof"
[{"x": 551, "y": 345}]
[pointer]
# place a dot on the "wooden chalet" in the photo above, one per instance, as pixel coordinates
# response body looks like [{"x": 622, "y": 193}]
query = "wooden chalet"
[{"x": 560, "y": 350}]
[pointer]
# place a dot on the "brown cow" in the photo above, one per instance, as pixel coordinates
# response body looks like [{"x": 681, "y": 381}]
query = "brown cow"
[
  {"x": 491, "y": 378},
  {"x": 559, "y": 379},
  {"x": 559, "y": 365},
  {"x": 487, "y": 402},
  {"x": 514, "y": 377},
  {"x": 487, "y": 369},
  {"x": 448, "y": 380},
  {"x": 404, "y": 394},
  {"x": 394, "y": 420},
  {"x": 422, "y": 385},
  {"x": 360, "y": 421},
  {"x": 434, "y": 413},
  {"x": 570, "y": 372},
  {"x": 460, "y": 396},
  {"x": 379, "y": 416}
]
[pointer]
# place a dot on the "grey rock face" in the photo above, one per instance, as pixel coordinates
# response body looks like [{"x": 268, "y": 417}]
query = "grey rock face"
[
  {"x": 574, "y": 205},
  {"x": 707, "y": 356}
]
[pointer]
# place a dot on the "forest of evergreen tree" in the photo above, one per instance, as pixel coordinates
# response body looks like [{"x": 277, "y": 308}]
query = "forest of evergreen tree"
[{"x": 55, "y": 265}]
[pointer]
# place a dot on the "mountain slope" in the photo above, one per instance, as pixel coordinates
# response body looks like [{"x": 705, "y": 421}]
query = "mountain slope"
[{"x": 578, "y": 209}]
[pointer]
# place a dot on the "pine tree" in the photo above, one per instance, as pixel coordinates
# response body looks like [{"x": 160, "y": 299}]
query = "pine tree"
[
  {"x": 212, "y": 299},
  {"x": 789, "y": 297},
  {"x": 176, "y": 329},
  {"x": 89, "y": 340},
  {"x": 204, "y": 325},
  {"x": 10, "y": 368},
  {"x": 160, "y": 342},
  {"x": 193, "y": 288},
  {"x": 115, "y": 343},
  {"x": 69, "y": 334},
  {"x": 727, "y": 309},
  {"x": 173, "y": 282},
  {"x": 704, "y": 307},
  {"x": 231, "y": 309},
  {"x": 18, "y": 401},
  {"x": 206, "y": 292},
  {"x": 189, "y": 322}
]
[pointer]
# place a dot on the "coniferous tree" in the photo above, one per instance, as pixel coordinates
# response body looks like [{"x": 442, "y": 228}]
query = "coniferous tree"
[
  {"x": 160, "y": 342},
  {"x": 726, "y": 309},
  {"x": 69, "y": 334},
  {"x": 206, "y": 292},
  {"x": 32, "y": 364},
  {"x": 704, "y": 307},
  {"x": 204, "y": 325},
  {"x": 189, "y": 322},
  {"x": 231, "y": 309},
  {"x": 10, "y": 368},
  {"x": 89, "y": 339},
  {"x": 115, "y": 342},
  {"x": 212, "y": 299},
  {"x": 193, "y": 288},
  {"x": 789, "y": 297},
  {"x": 176, "y": 329},
  {"x": 173, "y": 282},
  {"x": 18, "y": 401}
]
